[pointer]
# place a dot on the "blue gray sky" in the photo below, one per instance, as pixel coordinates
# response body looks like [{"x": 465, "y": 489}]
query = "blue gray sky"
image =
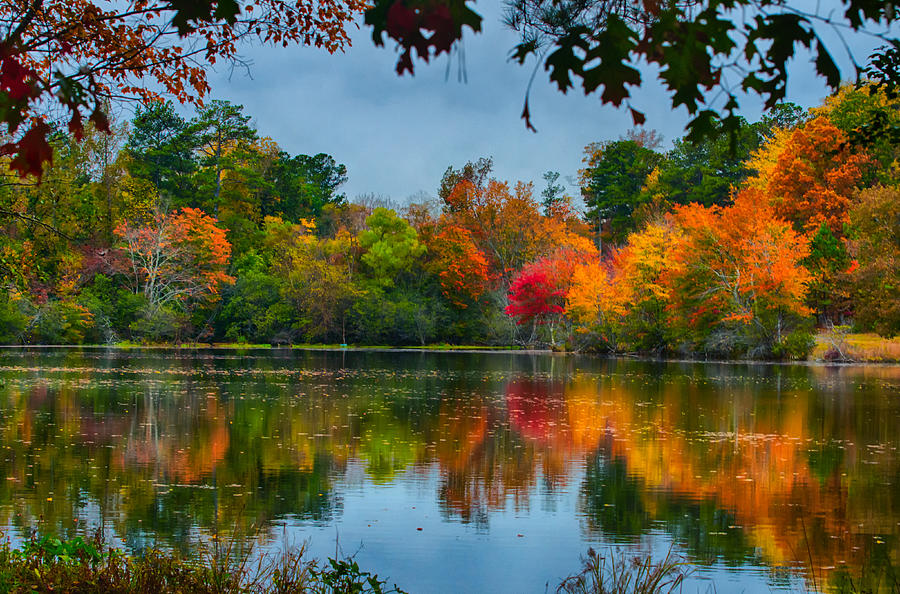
[{"x": 397, "y": 135}]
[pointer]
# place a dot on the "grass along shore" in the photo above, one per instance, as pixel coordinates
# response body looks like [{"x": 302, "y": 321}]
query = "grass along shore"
[
  {"x": 48, "y": 564},
  {"x": 840, "y": 345}
]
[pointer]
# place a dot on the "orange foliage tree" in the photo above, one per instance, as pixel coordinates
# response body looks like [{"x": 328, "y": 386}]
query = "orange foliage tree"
[
  {"x": 591, "y": 300},
  {"x": 809, "y": 175},
  {"x": 719, "y": 280},
  {"x": 504, "y": 223},
  {"x": 866, "y": 113},
  {"x": 462, "y": 268},
  {"x": 735, "y": 279},
  {"x": 176, "y": 259},
  {"x": 508, "y": 227}
]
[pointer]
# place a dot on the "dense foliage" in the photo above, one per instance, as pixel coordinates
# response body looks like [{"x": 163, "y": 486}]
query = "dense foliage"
[{"x": 201, "y": 230}]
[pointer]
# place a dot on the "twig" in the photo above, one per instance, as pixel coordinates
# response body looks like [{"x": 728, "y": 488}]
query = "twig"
[{"x": 33, "y": 220}]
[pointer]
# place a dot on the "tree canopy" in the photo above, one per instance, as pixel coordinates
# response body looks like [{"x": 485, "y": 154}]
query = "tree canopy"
[
  {"x": 75, "y": 56},
  {"x": 706, "y": 52}
]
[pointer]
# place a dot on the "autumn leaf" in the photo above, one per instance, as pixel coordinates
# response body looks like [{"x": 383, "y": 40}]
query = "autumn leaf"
[{"x": 31, "y": 152}]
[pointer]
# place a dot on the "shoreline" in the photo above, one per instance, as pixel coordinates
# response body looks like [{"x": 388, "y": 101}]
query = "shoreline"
[{"x": 471, "y": 349}]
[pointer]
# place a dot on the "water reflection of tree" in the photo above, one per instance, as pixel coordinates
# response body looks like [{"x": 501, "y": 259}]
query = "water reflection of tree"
[
  {"x": 745, "y": 473},
  {"x": 495, "y": 453},
  {"x": 734, "y": 461},
  {"x": 484, "y": 468},
  {"x": 175, "y": 461}
]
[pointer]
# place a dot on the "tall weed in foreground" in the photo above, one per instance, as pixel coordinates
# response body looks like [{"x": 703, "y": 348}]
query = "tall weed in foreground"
[
  {"x": 871, "y": 579},
  {"x": 46, "y": 564},
  {"x": 623, "y": 575}
]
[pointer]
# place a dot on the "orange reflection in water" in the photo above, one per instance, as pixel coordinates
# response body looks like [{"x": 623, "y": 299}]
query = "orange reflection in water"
[
  {"x": 157, "y": 440},
  {"x": 748, "y": 457}
]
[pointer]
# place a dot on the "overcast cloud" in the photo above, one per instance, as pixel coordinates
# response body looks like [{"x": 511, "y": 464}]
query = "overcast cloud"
[{"x": 397, "y": 135}]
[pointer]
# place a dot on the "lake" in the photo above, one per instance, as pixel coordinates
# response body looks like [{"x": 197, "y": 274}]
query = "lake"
[{"x": 462, "y": 472}]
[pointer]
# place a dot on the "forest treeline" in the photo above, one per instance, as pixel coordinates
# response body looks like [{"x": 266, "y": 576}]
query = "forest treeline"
[{"x": 174, "y": 229}]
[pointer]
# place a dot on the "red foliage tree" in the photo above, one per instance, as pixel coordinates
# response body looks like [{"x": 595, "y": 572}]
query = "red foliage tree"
[
  {"x": 534, "y": 295},
  {"x": 537, "y": 295}
]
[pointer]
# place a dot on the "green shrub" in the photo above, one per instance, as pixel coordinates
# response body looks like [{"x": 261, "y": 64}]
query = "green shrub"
[
  {"x": 344, "y": 576},
  {"x": 795, "y": 346},
  {"x": 157, "y": 324},
  {"x": 13, "y": 317},
  {"x": 60, "y": 322},
  {"x": 114, "y": 308}
]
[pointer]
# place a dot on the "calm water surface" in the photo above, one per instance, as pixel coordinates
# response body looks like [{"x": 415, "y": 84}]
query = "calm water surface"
[{"x": 460, "y": 472}]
